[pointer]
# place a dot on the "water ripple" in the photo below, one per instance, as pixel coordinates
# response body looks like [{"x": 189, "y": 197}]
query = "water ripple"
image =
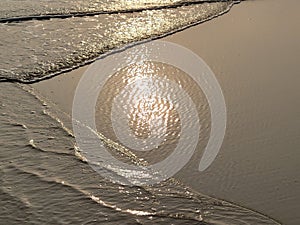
[{"x": 34, "y": 50}]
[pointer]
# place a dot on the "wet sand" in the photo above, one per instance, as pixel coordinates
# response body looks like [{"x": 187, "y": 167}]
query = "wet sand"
[{"x": 254, "y": 52}]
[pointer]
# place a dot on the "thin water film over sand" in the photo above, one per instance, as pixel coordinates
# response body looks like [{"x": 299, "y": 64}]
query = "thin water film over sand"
[{"x": 44, "y": 181}]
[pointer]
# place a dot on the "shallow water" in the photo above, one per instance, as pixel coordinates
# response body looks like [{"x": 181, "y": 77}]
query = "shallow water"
[
  {"x": 42, "y": 181},
  {"x": 45, "y": 179},
  {"x": 36, "y": 49},
  {"x": 12, "y": 10}
]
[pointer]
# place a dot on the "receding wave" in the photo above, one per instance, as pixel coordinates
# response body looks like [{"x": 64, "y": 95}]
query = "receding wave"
[
  {"x": 33, "y": 50},
  {"x": 12, "y": 10},
  {"x": 38, "y": 183}
]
